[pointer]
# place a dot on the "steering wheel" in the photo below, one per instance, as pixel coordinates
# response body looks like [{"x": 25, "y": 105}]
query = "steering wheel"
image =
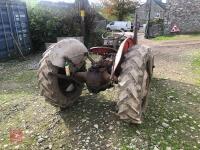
[{"x": 104, "y": 37}]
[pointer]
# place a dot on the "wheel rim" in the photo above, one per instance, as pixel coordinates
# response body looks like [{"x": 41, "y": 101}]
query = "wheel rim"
[
  {"x": 65, "y": 83},
  {"x": 146, "y": 80}
]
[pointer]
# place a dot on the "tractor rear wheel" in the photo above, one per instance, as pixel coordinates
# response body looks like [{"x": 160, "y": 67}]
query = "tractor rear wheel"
[
  {"x": 57, "y": 91},
  {"x": 134, "y": 84}
]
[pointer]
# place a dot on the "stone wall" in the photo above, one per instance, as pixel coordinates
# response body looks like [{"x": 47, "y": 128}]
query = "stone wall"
[
  {"x": 142, "y": 14},
  {"x": 157, "y": 12},
  {"x": 155, "y": 30},
  {"x": 185, "y": 14}
]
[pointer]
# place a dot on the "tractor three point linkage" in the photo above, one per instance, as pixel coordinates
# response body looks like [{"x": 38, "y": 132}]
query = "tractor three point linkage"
[{"x": 63, "y": 73}]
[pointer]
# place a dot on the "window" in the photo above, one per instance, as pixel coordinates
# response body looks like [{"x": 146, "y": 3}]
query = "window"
[
  {"x": 157, "y": 15},
  {"x": 112, "y": 23}
]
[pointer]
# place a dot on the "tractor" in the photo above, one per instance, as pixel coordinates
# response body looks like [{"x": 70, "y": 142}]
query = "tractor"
[{"x": 63, "y": 73}]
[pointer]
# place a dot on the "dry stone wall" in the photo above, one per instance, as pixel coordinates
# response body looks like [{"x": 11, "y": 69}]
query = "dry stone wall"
[{"x": 183, "y": 13}]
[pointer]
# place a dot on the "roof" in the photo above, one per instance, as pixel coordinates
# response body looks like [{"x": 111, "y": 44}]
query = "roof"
[
  {"x": 56, "y": 4},
  {"x": 160, "y": 3}
]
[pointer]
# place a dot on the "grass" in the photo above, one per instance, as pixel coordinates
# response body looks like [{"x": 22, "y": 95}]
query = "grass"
[
  {"x": 196, "y": 66},
  {"x": 161, "y": 108},
  {"x": 178, "y": 37},
  {"x": 23, "y": 108}
]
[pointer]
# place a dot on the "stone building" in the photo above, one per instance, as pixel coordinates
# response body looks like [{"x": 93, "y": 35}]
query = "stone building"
[
  {"x": 157, "y": 11},
  {"x": 185, "y": 14},
  {"x": 58, "y": 5}
]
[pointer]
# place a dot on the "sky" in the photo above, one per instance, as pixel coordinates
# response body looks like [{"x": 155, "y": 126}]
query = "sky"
[{"x": 94, "y": 1}]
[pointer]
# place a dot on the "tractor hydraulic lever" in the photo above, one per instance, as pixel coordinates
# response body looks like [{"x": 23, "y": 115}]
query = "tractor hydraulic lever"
[
  {"x": 90, "y": 58},
  {"x": 136, "y": 29}
]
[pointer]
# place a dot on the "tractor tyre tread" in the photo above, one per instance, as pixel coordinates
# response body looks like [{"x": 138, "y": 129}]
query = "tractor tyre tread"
[
  {"x": 132, "y": 86},
  {"x": 50, "y": 88}
]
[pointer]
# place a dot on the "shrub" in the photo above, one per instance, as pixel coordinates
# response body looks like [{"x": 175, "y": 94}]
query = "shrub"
[{"x": 46, "y": 24}]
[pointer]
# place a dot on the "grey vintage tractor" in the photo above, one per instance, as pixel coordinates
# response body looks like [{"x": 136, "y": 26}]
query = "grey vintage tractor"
[{"x": 62, "y": 73}]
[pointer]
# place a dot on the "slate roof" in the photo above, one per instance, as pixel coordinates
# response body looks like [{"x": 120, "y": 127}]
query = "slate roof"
[
  {"x": 160, "y": 3},
  {"x": 56, "y": 5}
]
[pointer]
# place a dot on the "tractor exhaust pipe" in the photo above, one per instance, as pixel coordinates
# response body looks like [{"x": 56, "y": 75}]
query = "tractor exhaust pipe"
[{"x": 136, "y": 29}]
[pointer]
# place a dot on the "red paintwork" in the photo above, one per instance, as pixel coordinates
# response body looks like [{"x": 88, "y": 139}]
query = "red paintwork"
[
  {"x": 129, "y": 42},
  {"x": 102, "y": 50},
  {"x": 123, "y": 49}
]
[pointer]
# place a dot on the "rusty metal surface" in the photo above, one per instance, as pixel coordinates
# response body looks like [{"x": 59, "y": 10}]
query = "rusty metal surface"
[
  {"x": 97, "y": 78},
  {"x": 96, "y": 81}
]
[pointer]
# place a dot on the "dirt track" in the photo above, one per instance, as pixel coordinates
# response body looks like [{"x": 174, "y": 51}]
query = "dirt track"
[{"x": 172, "y": 120}]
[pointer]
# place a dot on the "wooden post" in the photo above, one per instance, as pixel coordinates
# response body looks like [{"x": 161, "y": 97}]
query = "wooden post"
[
  {"x": 136, "y": 29},
  {"x": 148, "y": 22},
  {"x": 82, "y": 13}
]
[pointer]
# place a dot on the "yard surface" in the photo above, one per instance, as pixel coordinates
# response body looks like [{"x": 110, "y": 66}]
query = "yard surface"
[
  {"x": 172, "y": 120},
  {"x": 178, "y": 37}
]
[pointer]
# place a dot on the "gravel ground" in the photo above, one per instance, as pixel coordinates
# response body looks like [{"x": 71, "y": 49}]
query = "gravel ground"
[{"x": 172, "y": 120}]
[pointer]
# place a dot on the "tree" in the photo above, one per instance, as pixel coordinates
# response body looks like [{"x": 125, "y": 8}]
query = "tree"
[
  {"x": 120, "y": 9},
  {"x": 46, "y": 24},
  {"x": 30, "y": 3},
  {"x": 49, "y": 22}
]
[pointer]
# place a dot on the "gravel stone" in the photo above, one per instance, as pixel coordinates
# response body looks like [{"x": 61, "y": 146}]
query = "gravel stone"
[
  {"x": 96, "y": 126},
  {"x": 50, "y": 146},
  {"x": 138, "y": 132},
  {"x": 110, "y": 128},
  {"x": 171, "y": 97},
  {"x": 165, "y": 125},
  {"x": 175, "y": 131},
  {"x": 1, "y": 68},
  {"x": 17, "y": 147},
  {"x": 83, "y": 120},
  {"x": 155, "y": 148},
  {"x": 40, "y": 140},
  {"x": 108, "y": 145},
  {"x": 168, "y": 148}
]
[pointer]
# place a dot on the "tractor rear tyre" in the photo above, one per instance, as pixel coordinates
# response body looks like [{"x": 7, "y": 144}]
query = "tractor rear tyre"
[
  {"x": 57, "y": 91},
  {"x": 134, "y": 84}
]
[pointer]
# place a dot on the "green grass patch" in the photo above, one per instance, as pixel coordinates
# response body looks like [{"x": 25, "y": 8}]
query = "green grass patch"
[
  {"x": 196, "y": 66},
  {"x": 167, "y": 37},
  {"x": 162, "y": 107},
  {"x": 9, "y": 97},
  {"x": 196, "y": 61},
  {"x": 194, "y": 36},
  {"x": 22, "y": 76},
  {"x": 26, "y": 76}
]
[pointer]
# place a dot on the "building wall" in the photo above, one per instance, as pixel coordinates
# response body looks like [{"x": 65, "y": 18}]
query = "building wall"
[
  {"x": 142, "y": 14},
  {"x": 156, "y": 12},
  {"x": 185, "y": 14},
  {"x": 56, "y": 5}
]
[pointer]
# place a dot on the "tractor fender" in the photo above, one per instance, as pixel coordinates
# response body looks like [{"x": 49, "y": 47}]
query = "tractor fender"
[
  {"x": 68, "y": 48},
  {"x": 123, "y": 49}
]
